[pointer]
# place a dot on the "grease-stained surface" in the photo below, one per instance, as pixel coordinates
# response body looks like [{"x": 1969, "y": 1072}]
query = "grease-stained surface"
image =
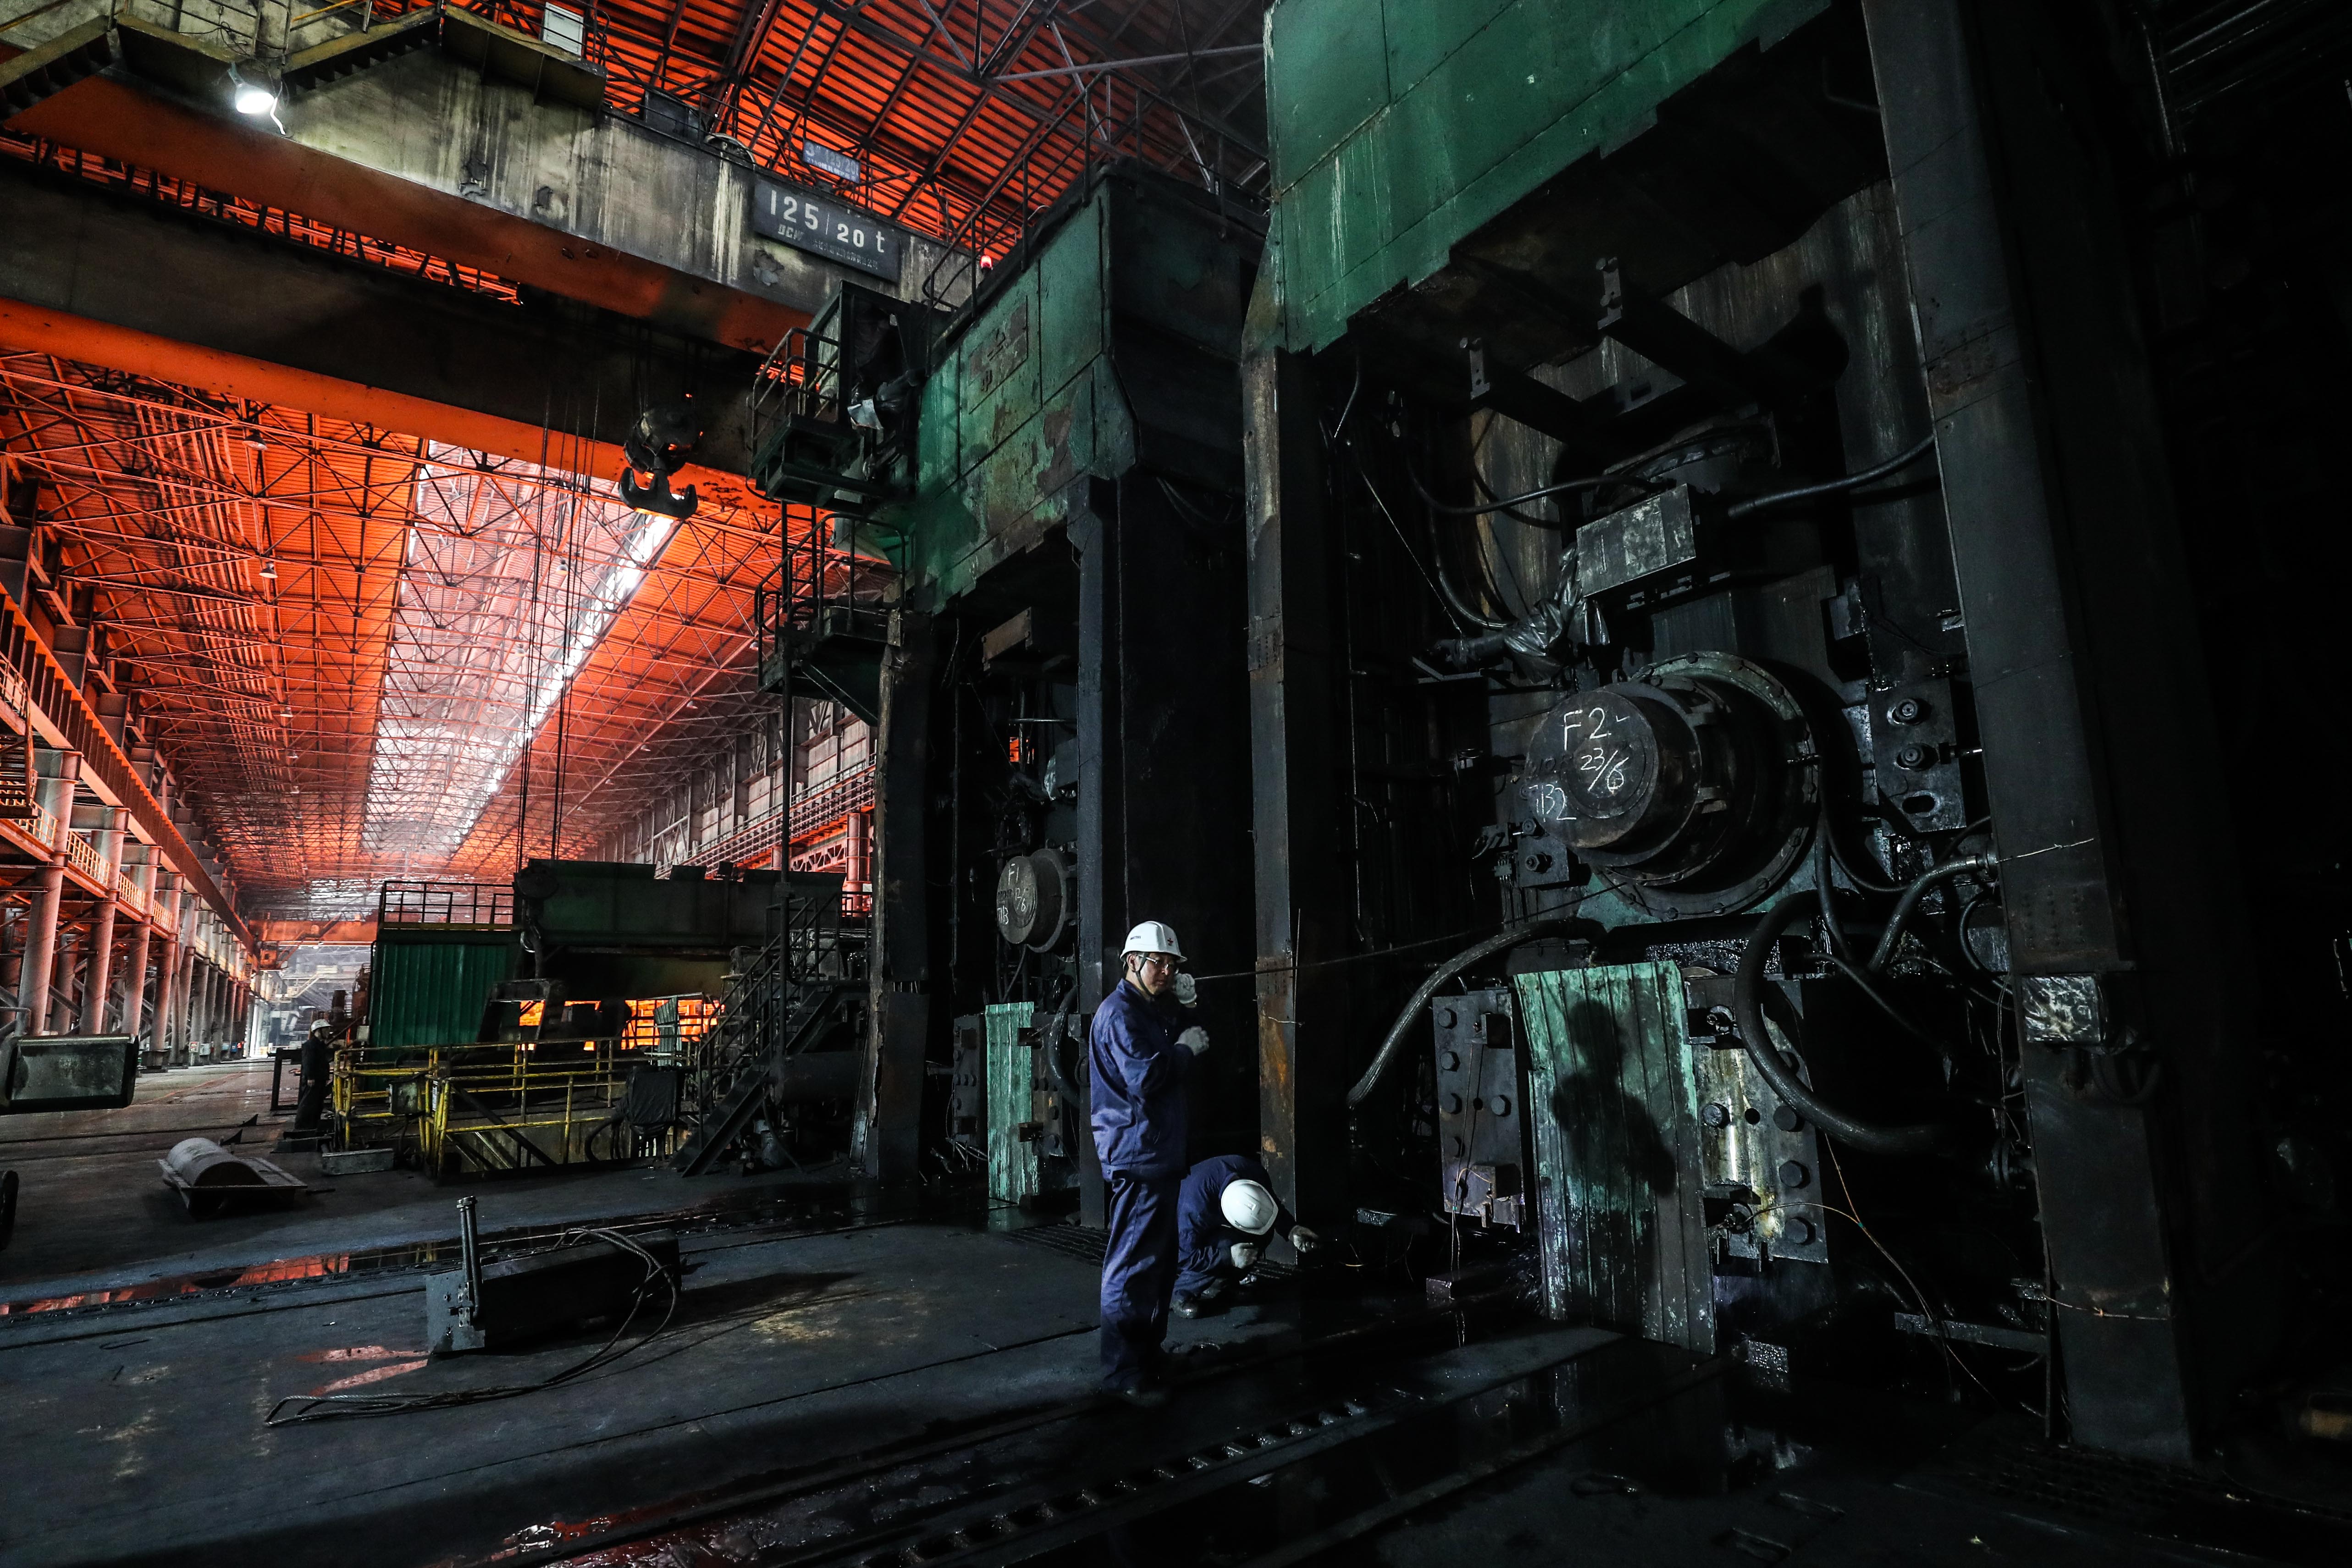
[
  {"x": 144, "y": 1433},
  {"x": 1012, "y": 1165},
  {"x": 1610, "y": 1086}
]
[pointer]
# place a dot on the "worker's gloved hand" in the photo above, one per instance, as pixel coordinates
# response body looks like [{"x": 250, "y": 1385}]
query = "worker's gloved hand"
[
  {"x": 1188, "y": 990},
  {"x": 1245, "y": 1254},
  {"x": 1195, "y": 1039},
  {"x": 1303, "y": 1240}
]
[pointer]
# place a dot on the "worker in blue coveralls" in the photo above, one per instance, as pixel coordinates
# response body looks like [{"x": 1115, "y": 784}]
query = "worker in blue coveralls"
[
  {"x": 1225, "y": 1211},
  {"x": 1142, "y": 1051}
]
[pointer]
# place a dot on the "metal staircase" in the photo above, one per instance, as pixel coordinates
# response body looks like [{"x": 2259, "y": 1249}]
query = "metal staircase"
[{"x": 781, "y": 1003}]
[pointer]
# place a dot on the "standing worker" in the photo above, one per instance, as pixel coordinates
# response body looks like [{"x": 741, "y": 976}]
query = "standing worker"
[
  {"x": 1225, "y": 1212},
  {"x": 1143, "y": 1053}
]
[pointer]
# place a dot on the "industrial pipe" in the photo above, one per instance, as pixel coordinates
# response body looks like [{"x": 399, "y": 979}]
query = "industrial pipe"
[
  {"x": 1395, "y": 1043},
  {"x": 1747, "y": 1009}
]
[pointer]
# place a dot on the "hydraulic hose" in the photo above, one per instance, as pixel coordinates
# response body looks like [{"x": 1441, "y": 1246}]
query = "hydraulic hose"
[
  {"x": 1057, "y": 1035},
  {"x": 1852, "y": 482},
  {"x": 1461, "y": 606},
  {"x": 1393, "y": 1045},
  {"x": 1747, "y": 1009},
  {"x": 1909, "y": 903}
]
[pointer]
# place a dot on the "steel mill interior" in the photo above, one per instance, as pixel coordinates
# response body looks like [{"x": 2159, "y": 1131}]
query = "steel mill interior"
[{"x": 935, "y": 784}]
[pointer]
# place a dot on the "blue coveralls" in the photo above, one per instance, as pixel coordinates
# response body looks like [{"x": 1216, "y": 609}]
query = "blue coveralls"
[
  {"x": 1204, "y": 1240},
  {"x": 1138, "y": 1098}
]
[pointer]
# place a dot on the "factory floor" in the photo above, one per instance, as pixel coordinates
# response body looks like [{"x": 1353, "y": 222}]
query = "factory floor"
[
  {"x": 845, "y": 1381},
  {"x": 93, "y": 1212}
]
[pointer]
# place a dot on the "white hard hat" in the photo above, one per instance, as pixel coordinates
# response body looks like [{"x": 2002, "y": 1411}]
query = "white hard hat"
[
  {"x": 1249, "y": 1208},
  {"x": 1152, "y": 936}
]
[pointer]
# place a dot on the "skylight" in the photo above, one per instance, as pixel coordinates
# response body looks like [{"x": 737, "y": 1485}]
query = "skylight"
[{"x": 513, "y": 575}]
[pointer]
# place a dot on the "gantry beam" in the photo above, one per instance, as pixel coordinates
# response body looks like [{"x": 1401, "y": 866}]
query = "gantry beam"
[
  {"x": 127, "y": 282},
  {"x": 423, "y": 149}
]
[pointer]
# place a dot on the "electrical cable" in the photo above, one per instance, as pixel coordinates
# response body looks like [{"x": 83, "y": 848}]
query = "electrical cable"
[
  {"x": 1747, "y": 1009},
  {"x": 1462, "y": 607},
  {"x": 1364, "y": 475},
  {"x": 1593, "y": 482},
  {"x": 343, "y": 1404},
  {"x": 1862, "y": 978},
  {"x": 1852, "y": 482}
]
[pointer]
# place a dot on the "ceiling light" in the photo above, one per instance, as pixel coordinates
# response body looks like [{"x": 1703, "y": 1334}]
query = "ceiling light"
[
  {"x": 269, "y": 570},
  {"x": 254, "y": 90}
]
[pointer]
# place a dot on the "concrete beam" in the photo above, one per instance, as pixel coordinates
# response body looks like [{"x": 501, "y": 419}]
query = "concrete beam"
[
  {"x": 419, "y": 148},
  {"x": 125, "y": 281}
]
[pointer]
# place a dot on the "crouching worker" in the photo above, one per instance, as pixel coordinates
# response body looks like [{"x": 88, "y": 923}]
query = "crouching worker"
[{"x": 1225, "y": 1212}]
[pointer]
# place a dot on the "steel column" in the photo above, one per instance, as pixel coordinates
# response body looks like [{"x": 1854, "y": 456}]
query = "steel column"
[
  {"x": 167, "y": 967},
  {"x": 98, "y": 987},
  {"x": 887, "y": 1136},
  {"x": 134, "y": 1003},
  {"x": 1301, "y": 1013},
  {"x": 2083, "y": 647},
  {"x": 41, "y": 949},
  {"x": 55, "y": 795}
]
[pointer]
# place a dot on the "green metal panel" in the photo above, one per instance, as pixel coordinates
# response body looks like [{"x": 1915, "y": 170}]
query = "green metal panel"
[
  {"x": 1070, "y": 298},
  {"x": 1327, "y": 72},
  {"x": 1481, "y": 101},
  {"x": 1032, "y": 401},
  {"x": 937, "y": 460},
  {"x": 431, "y": 993},
  {"x": 1621, "y": 1228},
  {"x": 1013, "y": 1167}
]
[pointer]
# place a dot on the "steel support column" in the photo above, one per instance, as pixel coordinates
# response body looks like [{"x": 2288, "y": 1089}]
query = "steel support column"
[
  {"x": 183, "y": 987},
  {"x": 41, "y": 949},
  {"x": 1303, "y": 1066},
  {"x": 887, "y": 1137},
  {"x": 167, "y": 969},
  {"x": 2083, "y": 651},
  {"x": 134, "y": 1001},
  {"x": 98, "y": 987},
  {"x": 55, "y": 795}
]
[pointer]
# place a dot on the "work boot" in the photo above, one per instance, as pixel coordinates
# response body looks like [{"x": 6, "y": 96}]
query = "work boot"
[{"x": 1205, "y": 1302}]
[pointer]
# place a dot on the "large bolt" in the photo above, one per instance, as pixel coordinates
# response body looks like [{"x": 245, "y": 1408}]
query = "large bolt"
[
  {"x": 1793, "y": 1176},
  {"x": 1716, "y": 1116},
  {"x": 1787, "y": 1120},
  {"x": 1907, "y": 710}
]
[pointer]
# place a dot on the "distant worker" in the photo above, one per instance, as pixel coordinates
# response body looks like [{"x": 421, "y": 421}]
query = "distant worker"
[
  {"x": 1225, "y": 1212},
  {"x": 317, "y": 1060},
  {"x": 1142, "y": 1054}
]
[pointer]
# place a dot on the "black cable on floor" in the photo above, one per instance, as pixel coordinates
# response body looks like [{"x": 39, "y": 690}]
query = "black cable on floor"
[{"x": 327, "y": 1406}]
